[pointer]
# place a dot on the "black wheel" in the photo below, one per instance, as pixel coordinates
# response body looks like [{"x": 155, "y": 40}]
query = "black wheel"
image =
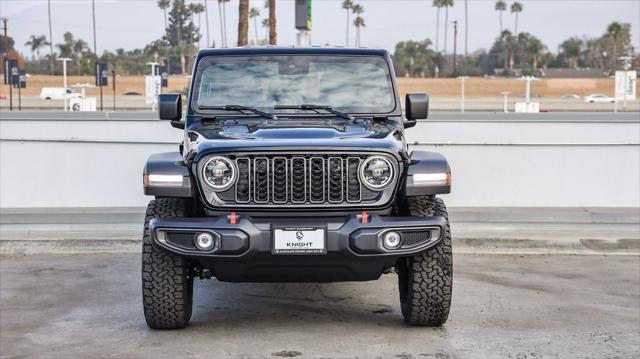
[
  {"x": 425, "y": 280},
  {"x": 167, "y": 284}
]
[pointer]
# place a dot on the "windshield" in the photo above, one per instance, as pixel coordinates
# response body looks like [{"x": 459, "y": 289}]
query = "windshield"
[{"x": 354, "y": 84}]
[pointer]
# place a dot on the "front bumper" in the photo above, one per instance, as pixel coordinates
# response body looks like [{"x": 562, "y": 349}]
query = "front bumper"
[{"x": 244, "y": 249}]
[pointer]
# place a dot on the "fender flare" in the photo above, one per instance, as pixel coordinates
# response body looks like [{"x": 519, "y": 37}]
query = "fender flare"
[
  {"x": 428, "y": 173},
  {"x": 166, "y": 175}
]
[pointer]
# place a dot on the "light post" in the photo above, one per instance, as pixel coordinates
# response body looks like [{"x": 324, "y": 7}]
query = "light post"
[
  {"x": 462, "y": 79},
  {"x": 153, "y": 86},
  {"x": 626, "y": 65},
  {"x": 64, "y": 76},
  {"x": 505, "y": 95}
]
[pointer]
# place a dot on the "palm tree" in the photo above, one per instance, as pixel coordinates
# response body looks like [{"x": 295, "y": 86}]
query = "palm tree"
[
  {"x": 347, "y": 5},
  {"x": 447, "y": 4},
  {"x": 197, "y": 9},
  {"x": 36, "y": 42},
  {"x": 516, "y": 8},
  {"x": 79, "y": 46},
  {"x": 164, "y": 5},
  {"x": 273, "y": 35},
  {"x": 66, "y": 48},
  {"x": 265, "y": 24},
  {"x": 617, "y": 32},
  {"x": 222, "y": 10},
  {"x": 438, "y": 4},
  {"x": 500, "y": 7},
  {"x": 358, "y": 22},
  {"x": 243, "y": 23},
  {"x": 253, "y": 14},
  {"x": 50, "y": 38}
]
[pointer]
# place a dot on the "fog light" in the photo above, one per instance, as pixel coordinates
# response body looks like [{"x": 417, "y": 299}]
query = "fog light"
[
  {"x": 391, "y": 240},
  {"x": 204, "y": 241}
]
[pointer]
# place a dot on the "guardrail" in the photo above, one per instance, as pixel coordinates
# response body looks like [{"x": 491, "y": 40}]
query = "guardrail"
[{"x": 498, "y": 160}]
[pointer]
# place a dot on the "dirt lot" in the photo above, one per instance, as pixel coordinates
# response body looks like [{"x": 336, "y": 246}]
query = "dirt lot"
[{"x": 475, "y": 87}]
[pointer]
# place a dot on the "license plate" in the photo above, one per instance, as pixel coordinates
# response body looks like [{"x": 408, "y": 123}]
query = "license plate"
[{"x": 299, "y": 240}]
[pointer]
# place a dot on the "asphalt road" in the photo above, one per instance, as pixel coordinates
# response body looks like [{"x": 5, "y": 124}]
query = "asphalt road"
[{"x": 88, "y": 306}]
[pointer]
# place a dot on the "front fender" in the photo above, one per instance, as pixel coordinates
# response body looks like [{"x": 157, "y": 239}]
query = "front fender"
[
  {"x": 166, "y": 175},
  {"x": 428, "y": 174}
]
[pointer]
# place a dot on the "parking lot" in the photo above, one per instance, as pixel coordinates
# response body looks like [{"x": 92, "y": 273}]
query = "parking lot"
[{"x": 504, "y": 306}]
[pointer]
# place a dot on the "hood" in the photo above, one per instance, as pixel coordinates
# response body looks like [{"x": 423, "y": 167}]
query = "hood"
[{"x": 298, "y": 135}]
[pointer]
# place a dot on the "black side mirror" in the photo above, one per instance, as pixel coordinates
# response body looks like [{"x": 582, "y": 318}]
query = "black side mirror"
[
  {"x": 170, "y": 108},
  {"x": 416, "y": 107}
]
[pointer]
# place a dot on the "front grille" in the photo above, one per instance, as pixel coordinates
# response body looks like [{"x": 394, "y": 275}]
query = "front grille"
[{"x": 315, "y": 179}]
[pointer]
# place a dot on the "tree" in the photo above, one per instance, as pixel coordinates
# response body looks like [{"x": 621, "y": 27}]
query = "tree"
[
  {"x": 500, "y": 7},
  {"x": 66, "y": 47},
  {"x": 414, "y": 58},
  {"x": 253, "y": 14},
  {"x": 36, "y": 42},
  {"x": 273, "y": 36},
  {"x": 222, "y": 8},
  {"x": 265, "y": 24},
  {"x": 79, "y": 47},
  {"x": 181, "y": 32},
  {"x": 438, "y": 4},
  {"x": 243, "y": 23},
  {"x": 50, "y": 38},
  {"x": 570, "y": 51},
  {"x": 347, "y": 5},
  {"x": 447, "y": 4},
  {"x": 197, "y": 9},
  {"x": 516, "y": 8},
  {"x": 358, "y": 22},
  {"x": 531, "y": 49},
  {"x": 620, "y": 34},
  {"x": 164, "y": 5}
]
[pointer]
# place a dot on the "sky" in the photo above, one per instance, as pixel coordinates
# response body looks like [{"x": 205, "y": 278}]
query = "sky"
[{"x": 131, "y": 24}]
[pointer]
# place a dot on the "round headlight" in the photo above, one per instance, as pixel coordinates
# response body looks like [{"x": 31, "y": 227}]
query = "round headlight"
[
  {"x": 376, "y": 172},
  {"x": 219, "y": 173}
]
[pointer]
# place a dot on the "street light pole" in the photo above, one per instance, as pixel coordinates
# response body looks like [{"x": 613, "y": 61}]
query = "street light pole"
[
  {"x": 64, "y": 76},
  {"x": 505, "y": 106}
]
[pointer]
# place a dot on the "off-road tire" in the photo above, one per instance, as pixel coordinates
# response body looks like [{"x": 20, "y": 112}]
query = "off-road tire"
[
  {"x": 425, "y": 280},
  {"x": 167, "y": 285}
]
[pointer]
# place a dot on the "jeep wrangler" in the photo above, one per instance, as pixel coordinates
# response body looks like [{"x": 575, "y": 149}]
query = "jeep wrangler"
[{"x": 294, "y": 167}]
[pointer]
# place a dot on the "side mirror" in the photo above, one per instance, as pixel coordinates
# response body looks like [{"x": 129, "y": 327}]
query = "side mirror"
[
  {"x": 170, "y": 108},
  {"x": 416, "y": 107}
]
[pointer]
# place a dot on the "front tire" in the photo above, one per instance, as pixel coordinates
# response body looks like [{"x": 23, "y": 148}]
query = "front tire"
[
  {"x": 425, "y": 280},
  {"x": 167, "y": 284}
]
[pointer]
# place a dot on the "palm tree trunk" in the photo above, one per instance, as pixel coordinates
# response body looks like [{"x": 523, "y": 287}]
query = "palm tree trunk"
[
  {"x": 438, "y": 30},
  {"x": 200, "y": 29},
  {"x": 165, "y": 19},
  {"x": 501, "y": 28},
  {"x": 50, "y": 41},
  {"x": 206, "y": 20},
  {"x": 273, "y": 36},
  {"x": 466, "y": 28},
  {"x": 221, "y": 24},
  {"x": 535, "y": 64},
  {"x": 255, "y": 27},
  {"x": 348, "y": 26},
  {"x": 243, "y": 23},
  {"x": 224, "y": 18},
  {"x": 515, "y": 29}
]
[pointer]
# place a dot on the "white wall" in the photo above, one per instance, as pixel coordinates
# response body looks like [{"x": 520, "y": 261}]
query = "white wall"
[{"x": 515, "y": 162}]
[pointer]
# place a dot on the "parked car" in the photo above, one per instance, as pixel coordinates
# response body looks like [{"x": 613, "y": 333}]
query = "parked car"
[
  {"x": 294, "y": 167},
  {"x": 599, "y": 98},
  {"x": 56, "y": 93}
]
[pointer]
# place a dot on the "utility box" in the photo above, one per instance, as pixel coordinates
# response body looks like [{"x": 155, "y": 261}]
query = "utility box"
[
  {"x": 82, "y": 104},
  {"x": 528, "y": 107}
]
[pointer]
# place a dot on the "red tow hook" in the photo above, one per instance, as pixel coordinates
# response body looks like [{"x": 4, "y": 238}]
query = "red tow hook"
[
  {"x": 233, "y": 219},
  {"x": 364, "y": 217}
]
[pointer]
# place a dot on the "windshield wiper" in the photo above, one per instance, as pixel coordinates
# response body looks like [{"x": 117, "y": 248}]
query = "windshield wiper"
[
  {"x": 310, "y": 107},
  {"x": 241, "y": 108}
]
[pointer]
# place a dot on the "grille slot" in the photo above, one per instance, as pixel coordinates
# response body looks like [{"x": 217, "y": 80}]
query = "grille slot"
[
  {"x": 414, "y": 238},
  {"x": 299, "y": 179}
]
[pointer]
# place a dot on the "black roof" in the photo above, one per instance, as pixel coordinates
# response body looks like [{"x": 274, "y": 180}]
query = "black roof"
[{"x": 280, "y": 50}]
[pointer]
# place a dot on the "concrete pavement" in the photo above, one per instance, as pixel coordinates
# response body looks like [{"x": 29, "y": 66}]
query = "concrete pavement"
[{"x": 89, "y": 306}]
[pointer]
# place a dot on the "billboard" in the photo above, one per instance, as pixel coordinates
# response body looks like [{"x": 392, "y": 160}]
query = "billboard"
[
  {"x": 102, "y": 74},
  {"x": 626, "y": 83}
]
